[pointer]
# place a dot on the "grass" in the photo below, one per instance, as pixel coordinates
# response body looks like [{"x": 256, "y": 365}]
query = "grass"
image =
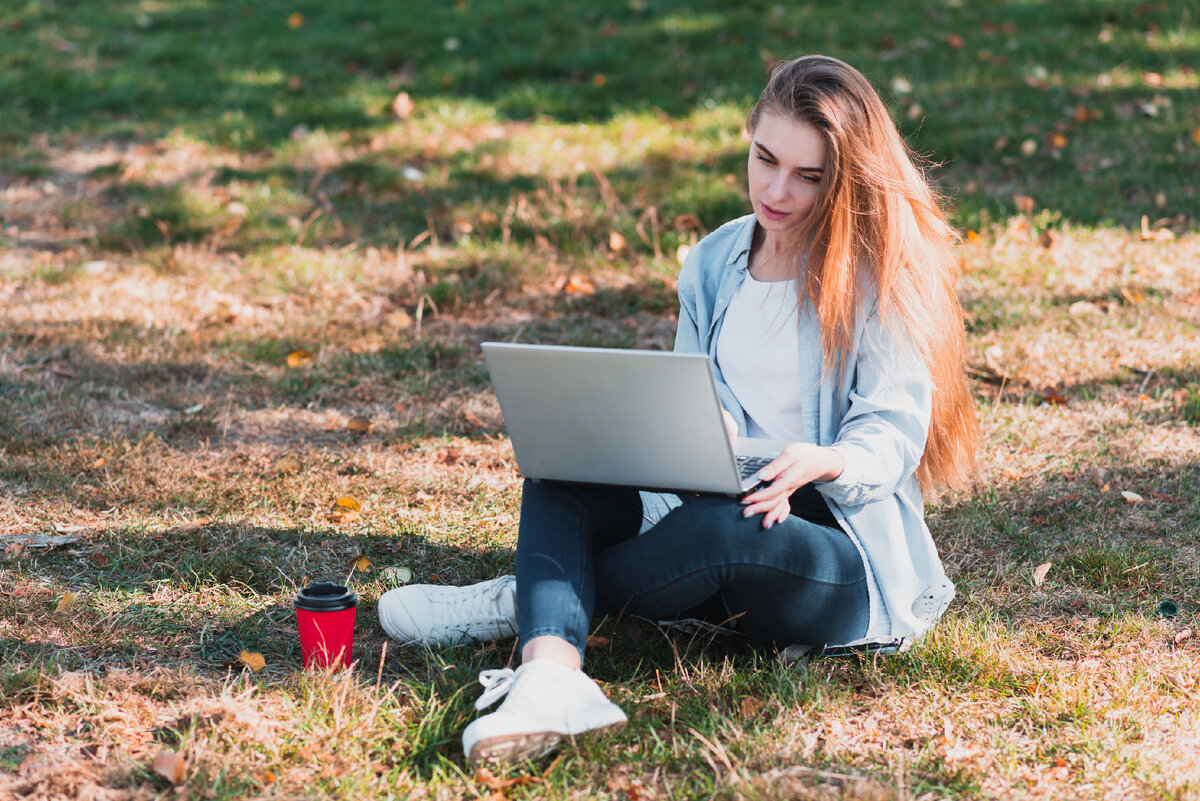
[{"x": 183, "y": 210}]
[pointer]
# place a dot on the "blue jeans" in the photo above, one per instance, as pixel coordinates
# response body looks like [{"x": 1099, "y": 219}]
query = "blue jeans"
[{"x": 584, "y": 550}]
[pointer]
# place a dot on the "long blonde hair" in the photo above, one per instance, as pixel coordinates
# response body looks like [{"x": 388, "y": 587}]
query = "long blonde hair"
[{"x": 877, "y": 217}]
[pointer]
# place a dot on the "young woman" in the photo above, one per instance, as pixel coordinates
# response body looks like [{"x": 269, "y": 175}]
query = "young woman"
[{"x": 831, "y": 320}]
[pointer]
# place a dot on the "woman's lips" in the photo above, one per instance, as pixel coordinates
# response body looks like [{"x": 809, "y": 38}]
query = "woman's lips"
[{"x": 772, "y": 214}]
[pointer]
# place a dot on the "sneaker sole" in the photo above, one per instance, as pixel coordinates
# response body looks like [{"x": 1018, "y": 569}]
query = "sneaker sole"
[{"x": 531, "y": 745}]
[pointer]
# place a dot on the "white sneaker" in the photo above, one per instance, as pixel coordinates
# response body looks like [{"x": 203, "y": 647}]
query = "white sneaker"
[
  {"x": 545, "y": 702},
  {"x": 429, "y": 614}
]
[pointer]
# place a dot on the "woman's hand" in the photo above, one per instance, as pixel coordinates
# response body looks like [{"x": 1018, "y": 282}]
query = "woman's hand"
[{"x": 800, "y": 463}]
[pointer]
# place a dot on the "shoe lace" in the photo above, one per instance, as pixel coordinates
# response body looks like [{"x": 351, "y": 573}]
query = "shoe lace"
[
  {"x": 477, "y": 606},
  {"x": 496, "y": 684}
]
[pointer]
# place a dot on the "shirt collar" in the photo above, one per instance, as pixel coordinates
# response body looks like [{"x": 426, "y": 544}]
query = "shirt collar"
[{"x": 739, "y": 254}]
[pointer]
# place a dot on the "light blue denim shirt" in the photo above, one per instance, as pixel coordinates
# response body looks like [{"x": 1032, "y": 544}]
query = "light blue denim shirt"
[{"x": 875, "y": 414}]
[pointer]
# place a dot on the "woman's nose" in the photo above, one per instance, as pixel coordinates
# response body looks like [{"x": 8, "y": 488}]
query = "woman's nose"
[{"x": 778, "y": 188}]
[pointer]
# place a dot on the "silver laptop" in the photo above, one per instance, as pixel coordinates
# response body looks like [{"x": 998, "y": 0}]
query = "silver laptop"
[{"x": 648, "y": 419}]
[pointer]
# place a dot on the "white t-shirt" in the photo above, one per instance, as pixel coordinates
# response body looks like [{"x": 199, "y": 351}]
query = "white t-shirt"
[{"x": 761, "y": 356}]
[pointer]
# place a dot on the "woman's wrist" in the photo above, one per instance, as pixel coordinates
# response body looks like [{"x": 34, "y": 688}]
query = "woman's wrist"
[{"x": 832, "y": 463}]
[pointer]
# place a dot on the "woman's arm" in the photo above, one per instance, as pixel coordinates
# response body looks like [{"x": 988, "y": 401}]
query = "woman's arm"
[
  {"x": 882, "y": 434},
  {"x": 880, "y": 439}
]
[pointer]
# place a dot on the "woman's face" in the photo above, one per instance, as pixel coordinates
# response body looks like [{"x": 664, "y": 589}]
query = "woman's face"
[{"x": 786, "y": 165}]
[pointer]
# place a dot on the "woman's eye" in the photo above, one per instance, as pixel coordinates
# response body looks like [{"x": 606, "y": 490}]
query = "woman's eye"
[{"x": 764, "y": 159}]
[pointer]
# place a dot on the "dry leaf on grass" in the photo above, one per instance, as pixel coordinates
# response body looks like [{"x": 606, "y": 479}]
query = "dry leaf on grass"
[
  {"x": 363, "y": 564},
  {"x": 1039, "y": 573},
  {"x": 170, "y": 766},
  {"x": 579, "y": 285},
  {"x": 344, "y": 510},
  {"x": 1182, "y": 635},
  {"x": 750, "y": 706},
  {"x": 1131, "y": 497},
  {"x": 286, "y": 465},
  {"x": 395, "y": 575},
  {"x": 359, "y": 424},
  {"x": 253, "y": 660},
  {"x": 424, "y": 497},
  {"x": 449, "y": 455},
  {"x": 66, "y": 603},
  {"x": 596, "y": 641},
  {"x": 493, "y": 782},
  {"x": 299, "y": 358}
]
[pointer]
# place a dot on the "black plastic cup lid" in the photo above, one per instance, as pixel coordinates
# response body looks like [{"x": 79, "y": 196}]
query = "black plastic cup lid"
[{"x": 325, "y": 596}]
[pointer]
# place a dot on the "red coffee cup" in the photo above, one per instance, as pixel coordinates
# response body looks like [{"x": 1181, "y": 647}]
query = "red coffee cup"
[{"x": 325, "y": 615}]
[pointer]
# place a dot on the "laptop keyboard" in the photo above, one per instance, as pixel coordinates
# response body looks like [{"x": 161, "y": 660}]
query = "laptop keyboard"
[{"x": 749, "y": 465}]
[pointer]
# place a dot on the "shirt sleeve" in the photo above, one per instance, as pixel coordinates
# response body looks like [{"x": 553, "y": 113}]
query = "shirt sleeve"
[
  {"x": 690, "y": 339},
  {"x": 882, "y": 434}
]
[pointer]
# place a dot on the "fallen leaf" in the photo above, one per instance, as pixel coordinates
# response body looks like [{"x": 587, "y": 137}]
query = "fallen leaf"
[
  {"x": 170, "y": 766},
  {"x": 253, "y": 660},
  {"x": 1162, "y": 496},
  {"x": 299, "y": 358},
  {"x": 449, "y": 455},
  {"x": 579, "y": 285},
  {"x": 599, "y": 79},
  {"x": 424, "y": 497},
  {"x": 1083, "y": 307},
  {"x": 268, "y": 777},
  {"x": 347, "y": 503},
  {"x": 750, "y": 706},
  {"x": 493, "y": 782},
  {"x": 66, "y": 603},
  {"x": 1182, "y": 635},
  {"x": 285, "y": 465},
  {"x": 403, "y": 106},
  {"x": 1052, "y": 397},
  {"x": 973, "y": 237},
  {"x": 596, "y": 641},
  {"x": 363, "y": 564},
  {"x": 395, "y": 575},
  {"x": 1179, "y": 681},
  {"x": 955, "y": 41},
  {"x": 295, "y": 20},
  {"x": 1157, "y": 235},
  {"x": 359, "y": 424},
  {"x": 1039, "y": 573},
  {"x": 1131, "y": 497},
  {"x": 1028, "y": 148},
  {"x": 992, "y": 357},
  {"x": 98, "y": 463},
  {"x": 616, "y": 242},
  {"x": 1048, "y": 239},
  {"x": 67, "y": 528},
  {"x": 473, "y": 420}
]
